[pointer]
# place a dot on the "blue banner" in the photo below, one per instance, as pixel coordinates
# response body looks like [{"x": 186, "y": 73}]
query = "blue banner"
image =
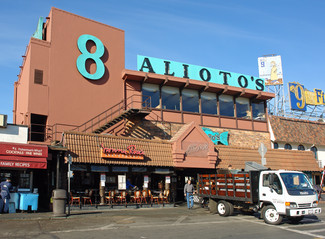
[
  {"x": 297, "y": 96},
  {"x": 187, "y": 71},
  {"x": 300, "y": 97}
]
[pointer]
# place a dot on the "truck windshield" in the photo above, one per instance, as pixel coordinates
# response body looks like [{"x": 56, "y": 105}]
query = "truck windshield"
[{"x": 297, "y": 184}]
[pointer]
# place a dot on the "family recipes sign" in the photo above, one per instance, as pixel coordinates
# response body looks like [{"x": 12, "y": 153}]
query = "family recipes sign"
[
  {"x": 129, "y": 153},
  {"x": 177, "y": 69}
]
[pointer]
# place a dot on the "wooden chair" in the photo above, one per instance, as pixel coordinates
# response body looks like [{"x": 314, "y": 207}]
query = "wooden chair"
[
  {"x": 157, "y": 198},
  {"x": 137, "y": 197},
  {"x": 74, "y": 199},
  {"x": 149, "y": 196},
  {"x": 144, "y": 196},
  {"x": 110, "y": 199},
  {"x": 122, "y": 197},
  {"x": 165, "y": 196},
  {"x": 87, "y": 197}
]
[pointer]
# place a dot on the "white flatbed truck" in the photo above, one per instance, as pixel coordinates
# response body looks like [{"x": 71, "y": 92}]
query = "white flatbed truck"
[{"x": 276, "y": 194}]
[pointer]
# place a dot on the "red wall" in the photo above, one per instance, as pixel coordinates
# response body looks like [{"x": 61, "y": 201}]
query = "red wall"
[{"x": 66, "y": 96}]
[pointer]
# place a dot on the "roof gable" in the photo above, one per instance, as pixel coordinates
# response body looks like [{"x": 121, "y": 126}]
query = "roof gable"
[{"x": 192, "y": 147}]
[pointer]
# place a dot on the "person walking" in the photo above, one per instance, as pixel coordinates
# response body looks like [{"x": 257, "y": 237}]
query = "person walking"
[
  {"x": 1, "y": 203},
  {"x": 5, "y": 187},
  {"x": 188, "y": 193}
]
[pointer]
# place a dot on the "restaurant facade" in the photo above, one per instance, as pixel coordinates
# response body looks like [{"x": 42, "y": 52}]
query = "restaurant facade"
[
  {"x": 26, "y": 165},
  {"x": 153, "y": 127}
]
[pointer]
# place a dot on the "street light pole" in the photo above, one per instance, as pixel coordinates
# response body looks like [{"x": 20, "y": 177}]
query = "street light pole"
[{"x": 69, "y": 176}]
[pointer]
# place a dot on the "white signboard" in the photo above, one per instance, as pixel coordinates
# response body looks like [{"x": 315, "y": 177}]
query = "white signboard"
[
  {"x": 146, "y": 181},
  {"x": 102, "y": 179},
  {"x": 121, "y": 182},
  {"x": 167, "y": 179},
  {"x": 270, "y": 68}
]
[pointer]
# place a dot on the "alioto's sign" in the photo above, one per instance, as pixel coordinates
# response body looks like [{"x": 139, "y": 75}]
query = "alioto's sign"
[
  {"x": 301, "y": 97},
  {"x": 177, "y": 69}
]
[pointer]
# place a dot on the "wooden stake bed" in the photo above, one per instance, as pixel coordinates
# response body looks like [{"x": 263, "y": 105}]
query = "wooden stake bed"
[{"x": 226, "y": 186}]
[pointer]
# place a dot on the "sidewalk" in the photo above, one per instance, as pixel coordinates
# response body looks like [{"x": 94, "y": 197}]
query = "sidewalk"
[
  {"x": 75, "y": 211},
  {"x": 84, "y": 212}
]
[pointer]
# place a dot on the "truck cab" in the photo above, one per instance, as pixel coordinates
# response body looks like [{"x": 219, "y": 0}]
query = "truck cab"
[{"x": 286, "y": 193}]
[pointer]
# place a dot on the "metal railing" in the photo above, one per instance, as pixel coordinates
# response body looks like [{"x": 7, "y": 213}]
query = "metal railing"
[
  {"x": 132, "y": 102},
  {"x": 54, "y": 132}
]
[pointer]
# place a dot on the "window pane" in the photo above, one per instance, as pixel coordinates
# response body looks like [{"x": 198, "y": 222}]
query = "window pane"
[
  {"x": 242, "y": 108},
  {"x": 275, "y": 145},
  {"x": 152, "y": 91},
  {"x": 258, "y": 110},
  {"x": 288, "y": 146},
  {"x": 190, "y": 100},
  {"x": 209, "y": 103},
  {"x": 226, "y": 103},
  {"x": 301, "y": 147},
  {"x": 170, "y": 98}
]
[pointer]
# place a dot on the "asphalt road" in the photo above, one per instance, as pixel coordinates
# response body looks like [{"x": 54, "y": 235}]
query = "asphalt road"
[{"x": 144, "y": 223}]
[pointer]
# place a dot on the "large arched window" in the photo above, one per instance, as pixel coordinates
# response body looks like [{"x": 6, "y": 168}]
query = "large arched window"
[
  {"x": 242, "y": 108},
  {"x": 275, "y": 145},
  {"x": 226, "y": 103},
  {"x": 301, "y": 147},
  {"x": 150, "y": 95},
  {"x": 170, "y": 98},
  {"x": 190, "y": 100},
  {"x": 209, "y": 103},
  {"x": 288, "y": 146},
  {"x": 314, "y": 149},
  {"x": 258, "y": 108}
]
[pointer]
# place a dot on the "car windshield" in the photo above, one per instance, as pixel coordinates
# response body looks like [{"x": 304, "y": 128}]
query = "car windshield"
[{"x": 297, "y": 184}]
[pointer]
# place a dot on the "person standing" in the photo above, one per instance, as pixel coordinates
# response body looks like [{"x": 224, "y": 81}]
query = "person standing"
[
  {"x": 5, "y": 186},
  {"x": 188, "y": 193}
]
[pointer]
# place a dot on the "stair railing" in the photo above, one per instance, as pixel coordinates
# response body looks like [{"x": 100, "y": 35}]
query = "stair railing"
[{"x": 135, "y": 101}]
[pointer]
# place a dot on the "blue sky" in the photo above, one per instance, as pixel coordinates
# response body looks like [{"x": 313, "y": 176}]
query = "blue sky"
[{"x": 226, "y": 35}]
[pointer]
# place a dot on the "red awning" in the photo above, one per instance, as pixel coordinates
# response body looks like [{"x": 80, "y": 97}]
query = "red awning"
[{"x": 22, "y": 162}]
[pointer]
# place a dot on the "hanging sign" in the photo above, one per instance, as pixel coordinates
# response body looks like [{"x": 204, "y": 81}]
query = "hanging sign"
[
  {"x": 300, "y": 97},
  {"x": 187, "y": 71},
  {"x": 217, "y": 137},
  {"x": 167, "y": 179},
  {"x": 121, "y": 182},
  {"x": 129, "y": 153},
  {"x": 102, "y": 179}
]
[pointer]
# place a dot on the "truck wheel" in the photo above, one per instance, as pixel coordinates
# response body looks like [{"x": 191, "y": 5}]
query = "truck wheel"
[
  {"x": 223, "y": 208},
  {"x": 231, "y": 208},
  {"x": 295, "y": 220},
  {"x": 271, "y": 216}
]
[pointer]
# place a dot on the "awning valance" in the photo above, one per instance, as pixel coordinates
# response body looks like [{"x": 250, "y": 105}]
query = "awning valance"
[{"x": 22, "y": 162}]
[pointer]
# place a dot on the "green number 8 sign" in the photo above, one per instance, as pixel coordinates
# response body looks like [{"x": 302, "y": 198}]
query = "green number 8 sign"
[{"x": 81, "y": 61}]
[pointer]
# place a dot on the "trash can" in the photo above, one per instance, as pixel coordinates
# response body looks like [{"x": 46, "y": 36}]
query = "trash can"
[{"x": 59, "y": 202}]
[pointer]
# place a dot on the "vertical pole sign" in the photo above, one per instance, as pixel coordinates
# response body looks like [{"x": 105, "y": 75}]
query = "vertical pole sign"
[
  {"x": 262, "y": 150},
  {"x": 69, "y": 178}
]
